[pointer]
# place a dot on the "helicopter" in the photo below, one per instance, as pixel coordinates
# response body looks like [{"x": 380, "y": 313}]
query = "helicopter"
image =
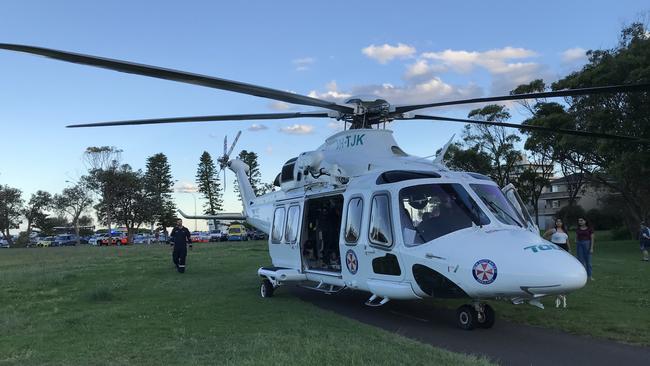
[{"x": 359, "y": 213}]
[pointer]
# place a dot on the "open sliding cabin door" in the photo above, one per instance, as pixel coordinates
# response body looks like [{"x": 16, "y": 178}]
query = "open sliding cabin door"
[{"x": 284, "y": 240}]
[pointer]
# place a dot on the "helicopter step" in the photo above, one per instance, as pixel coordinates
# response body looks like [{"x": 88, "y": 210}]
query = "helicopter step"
[
  {"x": 326, "y": 288},
  {"x": 373, "y": 303}
]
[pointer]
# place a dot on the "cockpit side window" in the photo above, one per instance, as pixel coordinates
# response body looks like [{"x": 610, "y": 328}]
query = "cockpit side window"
[
  {"x": 381, "y": 232},
  {"x": 494, "y": 199},
  {"x": 429, "y": 211}
]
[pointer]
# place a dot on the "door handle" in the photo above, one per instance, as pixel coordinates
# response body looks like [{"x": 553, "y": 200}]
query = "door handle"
[{"x": 433, "y": 256}]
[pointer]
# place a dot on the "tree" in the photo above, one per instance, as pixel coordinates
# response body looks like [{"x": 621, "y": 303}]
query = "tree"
[
  {"x": 11, "y": 205},
  {"x": 494, "y": 141},
  {"x": 73, "y": 201},
  {"x": 615, "y": 164},
  {"x": 254, "y": 175},
  {"x": 130, "y": 204},
  {"x": 159, "y": 185},
  {"x": 207, "y": 178},
  {"x": 530, "y": 184},
  {"x": 468, "y": 160},
  {"x": 35, "y": 209},
  {"x": 103, "y": 162},
  {"x": 50, "y": 222}
]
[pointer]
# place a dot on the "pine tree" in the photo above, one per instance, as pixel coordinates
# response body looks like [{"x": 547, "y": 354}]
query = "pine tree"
[
  {"x": 207, "y": 179},
  {"x": 254, "y": 175},
  {"x": 158, "y": 184}
]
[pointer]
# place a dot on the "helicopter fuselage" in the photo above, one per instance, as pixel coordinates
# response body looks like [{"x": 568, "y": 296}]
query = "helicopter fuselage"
[{"x": 359, "y": 213}]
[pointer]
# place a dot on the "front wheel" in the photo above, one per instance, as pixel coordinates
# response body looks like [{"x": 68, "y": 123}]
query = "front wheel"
[
  {"x": 486, "y": 318},
  {"x": 466, "y": 317},
  {"x": 266, "y": 289}
]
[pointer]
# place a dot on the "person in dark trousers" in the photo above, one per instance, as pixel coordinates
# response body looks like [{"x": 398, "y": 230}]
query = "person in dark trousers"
[{"x": 180, "y": 239}]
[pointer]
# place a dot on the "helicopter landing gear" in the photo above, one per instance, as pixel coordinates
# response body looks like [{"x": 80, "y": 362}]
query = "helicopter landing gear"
[
  {"x": 475, "y": 315},
  {"x": 266, "y": 289}
]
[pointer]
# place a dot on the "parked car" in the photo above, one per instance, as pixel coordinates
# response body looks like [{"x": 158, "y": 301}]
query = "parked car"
[
  {"x": 4, "y": 243},
  {"x": 200, "y": 237},
  {"x": 142, "y": 239},
  {"x": 64, "y": 240},
  {"x": 116, "y": 239},
  {"x": 257, "y": 235},
  {"x": 237, "y": 232},
  {"x": 218, "y": 235},
  {"x": 45, "y": 241}
]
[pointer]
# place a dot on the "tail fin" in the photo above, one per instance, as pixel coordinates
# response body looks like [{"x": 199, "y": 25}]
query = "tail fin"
[{"x": 439, "y": 160}]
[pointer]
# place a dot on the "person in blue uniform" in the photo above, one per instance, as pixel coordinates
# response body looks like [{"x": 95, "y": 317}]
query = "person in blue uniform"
[{"x": 180, "y": 238}]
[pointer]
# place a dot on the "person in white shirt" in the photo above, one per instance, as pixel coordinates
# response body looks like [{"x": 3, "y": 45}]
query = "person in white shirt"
[{"x": 559, "y": 236}]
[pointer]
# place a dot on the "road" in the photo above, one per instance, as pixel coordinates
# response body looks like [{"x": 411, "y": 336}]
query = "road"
[{"x": 506, "y": 343}]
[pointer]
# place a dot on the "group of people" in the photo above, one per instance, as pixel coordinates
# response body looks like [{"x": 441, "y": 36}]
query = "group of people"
[{"x": 559, "y": 236}]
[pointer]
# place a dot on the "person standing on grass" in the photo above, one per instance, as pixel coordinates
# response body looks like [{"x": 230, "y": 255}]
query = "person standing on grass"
[
  {"x": 181, "y": 237},
  {"x": 644, "y": 240},
  {"x": 585, "y": 245},
  {"x": 559, "y": 236}
]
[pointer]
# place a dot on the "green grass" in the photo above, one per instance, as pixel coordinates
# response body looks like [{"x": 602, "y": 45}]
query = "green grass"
[
  {"x": 126, "y": 306},
  {"x": 615, "y": 306}
]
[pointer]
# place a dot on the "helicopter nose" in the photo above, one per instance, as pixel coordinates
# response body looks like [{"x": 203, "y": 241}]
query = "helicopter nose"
[{"x": 563, "y": 274}]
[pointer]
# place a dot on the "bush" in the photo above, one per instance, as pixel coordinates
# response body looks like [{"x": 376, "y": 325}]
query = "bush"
[
  {"x": 570, "y": 215},
  {"x": 621, "y": 233},
  {"x": 604, "y": 220}
]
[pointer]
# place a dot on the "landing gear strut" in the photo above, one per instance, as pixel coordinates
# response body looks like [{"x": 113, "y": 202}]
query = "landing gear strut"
[{"x": 475, "y": 315}]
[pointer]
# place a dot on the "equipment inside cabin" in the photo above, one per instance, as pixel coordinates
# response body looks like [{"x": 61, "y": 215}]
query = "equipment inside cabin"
[{"x": 321, "y": 232}]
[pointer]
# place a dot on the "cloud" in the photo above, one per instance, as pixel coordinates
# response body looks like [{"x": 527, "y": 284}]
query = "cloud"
[
  {"x": 298, "y": 129},
  {"x": 281, "y": 106},
  {"x": 574, "y": 55},
  {"x": 269, "y": 150},
  {"x": 422, "y": 69},
  {"x": 495, "y": 61},
  {"x": 303, "y": 64},
  {"x": 255, "y": 127},
  {"x": 386, "y": 52},
  {"x": 331, "y": 93},
  {"x": 186, "y": 187}
]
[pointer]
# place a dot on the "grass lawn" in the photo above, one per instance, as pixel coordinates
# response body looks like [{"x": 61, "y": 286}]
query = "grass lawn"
[
  {"x": 614, "y": 306},
  {"x": 126, "y": 306}
]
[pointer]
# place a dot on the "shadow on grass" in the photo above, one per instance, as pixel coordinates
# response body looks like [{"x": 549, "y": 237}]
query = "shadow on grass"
[{"x": 101, "y": 293}]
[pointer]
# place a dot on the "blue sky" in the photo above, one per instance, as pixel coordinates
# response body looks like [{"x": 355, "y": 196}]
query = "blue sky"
[{"x": 406, "y": 51}]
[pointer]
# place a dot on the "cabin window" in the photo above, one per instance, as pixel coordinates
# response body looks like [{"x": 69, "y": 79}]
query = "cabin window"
[
  {"x": 278, "y": 221},
  {"x": 380, "y": 232},
  {"x": 293, "y": 221},
  {"x": 497, "y": 203},
  {"x": 353, "y": 220}
]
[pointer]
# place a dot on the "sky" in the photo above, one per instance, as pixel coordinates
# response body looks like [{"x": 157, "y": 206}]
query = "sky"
[{"x": 405, "y": 52}]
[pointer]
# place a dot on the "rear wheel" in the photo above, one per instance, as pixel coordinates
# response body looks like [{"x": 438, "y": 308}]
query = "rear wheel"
[
  {"x": 266, "y": 289},
  {"x": 466, "y": 317}
]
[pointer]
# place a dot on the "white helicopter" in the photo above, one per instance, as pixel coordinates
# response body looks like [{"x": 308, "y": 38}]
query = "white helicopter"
[{"x": 359, "y": 213}]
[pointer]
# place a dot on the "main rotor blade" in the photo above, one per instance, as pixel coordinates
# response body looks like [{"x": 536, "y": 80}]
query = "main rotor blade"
[
  {"x": 549, "y": 94},
  {"x": 232, "y": 117},
  {"x": 532, "y": 128},
  {"x": 176, "y": 75}
]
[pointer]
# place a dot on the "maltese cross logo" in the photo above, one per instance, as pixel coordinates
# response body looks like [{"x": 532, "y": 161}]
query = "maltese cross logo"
[
  {"x": 351, "y": 261},
  {"x": 485, "y": 271}
]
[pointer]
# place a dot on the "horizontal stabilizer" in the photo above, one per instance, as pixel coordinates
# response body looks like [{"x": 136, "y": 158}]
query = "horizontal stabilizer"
[{"x": 221, "y": 216}]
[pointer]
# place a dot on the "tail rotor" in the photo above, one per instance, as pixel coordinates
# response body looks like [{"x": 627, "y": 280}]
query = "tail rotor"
[{"x": 223, "y": 160}]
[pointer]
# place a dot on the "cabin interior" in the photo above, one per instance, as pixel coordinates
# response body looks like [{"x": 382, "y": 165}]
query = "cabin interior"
[{"x": 321, "y": 229}]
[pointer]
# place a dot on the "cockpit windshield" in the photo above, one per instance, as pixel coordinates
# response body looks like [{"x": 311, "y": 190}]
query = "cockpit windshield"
[
  {"x": 429, "y": 211},
  {"x": 494, "y": 199}
]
